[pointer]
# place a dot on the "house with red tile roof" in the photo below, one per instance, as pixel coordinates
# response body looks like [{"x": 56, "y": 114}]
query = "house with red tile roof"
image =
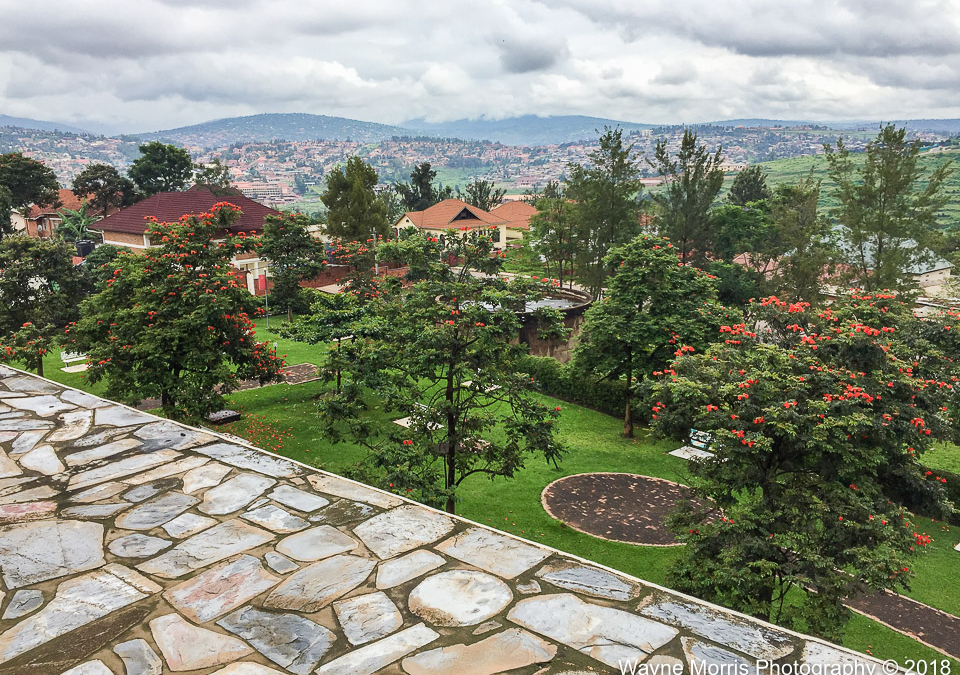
[
  {"x": 41, "y": 221},
  {"x": 517, "y": 214},
  {"x": 450, "y": 216},
  {"x": 128, "y": 227}
]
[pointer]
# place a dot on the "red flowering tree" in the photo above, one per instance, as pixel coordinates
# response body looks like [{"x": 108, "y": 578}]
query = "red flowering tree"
[
  {"x": 653, "y": 304},
  {"x": 174, "y": 323},
  {"x": 818, "y": 419},
  {"x": 27, "y": 346}
]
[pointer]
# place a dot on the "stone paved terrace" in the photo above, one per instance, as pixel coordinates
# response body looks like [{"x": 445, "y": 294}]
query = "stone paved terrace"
[{"x": 130, "y": 545}]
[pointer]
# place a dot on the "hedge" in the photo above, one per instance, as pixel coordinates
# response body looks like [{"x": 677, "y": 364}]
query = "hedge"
[{"x": 561, "y": 381}]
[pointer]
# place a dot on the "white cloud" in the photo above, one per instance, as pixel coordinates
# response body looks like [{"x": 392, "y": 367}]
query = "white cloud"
[{"x": 160, "y": 63}]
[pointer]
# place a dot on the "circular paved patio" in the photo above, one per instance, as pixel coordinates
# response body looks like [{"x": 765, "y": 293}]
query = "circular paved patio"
[{"x": 621, "y": 507}]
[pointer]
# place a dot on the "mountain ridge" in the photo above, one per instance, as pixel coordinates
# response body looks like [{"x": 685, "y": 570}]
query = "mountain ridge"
[{"x": 40, "y": 125}]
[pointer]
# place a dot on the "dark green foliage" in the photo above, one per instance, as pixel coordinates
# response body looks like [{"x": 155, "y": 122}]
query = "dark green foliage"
[
  {"x": 818, "y": 423},
  {"x": 38, "y": 283},
  {"x": 693, "y": 180},
  {"x": 750, "y": 185},
  {"x": 39, "y": 292},
  {"x": 741, "y": 229},
  {"x": 568, "y": 383},
  {"x": 24, "y": 181},
  {"x": 98, "y": 267},
  {"x": 803, "y": 241},
  {"x": 607, "y": 212},
  {"x": 294, "y": 255},
  {"x": 174, "y": 322},
  {"x": 653, "y": 305},
  {"x": 443, "y": 353},
  {"x": 28, "y": 181},
  {"x": 420, "y": 193},
  {"x": 161, "y": 168},
  {"x": 75, "y": 224},
  {"x": 886, "y": 212},
  {"x": 354, "y": 211},
  {"x": 553, "y": 232},
  {"x": 736, "y": 284},
  {"x": 484, "y": 194},
  {"x": 214, "y": 175},
  {"x": 108, "y": 189}
]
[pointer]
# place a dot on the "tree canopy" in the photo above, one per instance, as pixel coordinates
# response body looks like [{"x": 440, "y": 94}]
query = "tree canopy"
[
  {"x": 161, "y": 168},
  {"x": 24, "y": 181},
  {"x": 607, "y": 211},
  {"x": 443, "y": 355},
  {"x": 888, "y": 208},
  {"x": 653, "y": 304},
  {"x": 692, "y": 181},
  {"x": 294, "y": 255},
  {"x": 484, "y": 194},
  {"x": 108, "y": 188},
  {"x": 749, "y": 185},
  {"x": 420, "y": 193},
  {"x": 175, "y": 322},
  {"x": 818, "y": 418},
  {"x": 354, "y": 211},
  {"x": 553, "y": 231}
]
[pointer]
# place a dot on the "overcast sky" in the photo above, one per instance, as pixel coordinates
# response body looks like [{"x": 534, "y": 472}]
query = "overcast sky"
[{"x": 138, "y": 65}]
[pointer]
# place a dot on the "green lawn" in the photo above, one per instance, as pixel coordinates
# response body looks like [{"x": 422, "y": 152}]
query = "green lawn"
[
  {"x": 593, "y": 444},
  {"x": 280, "y": 418}
]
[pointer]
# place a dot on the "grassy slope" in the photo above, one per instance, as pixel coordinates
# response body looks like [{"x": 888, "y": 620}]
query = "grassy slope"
[
  {"x": 279, "y": 418},
  {"x": 594, "y": 445},
  {"x": 796, "y": 168}
]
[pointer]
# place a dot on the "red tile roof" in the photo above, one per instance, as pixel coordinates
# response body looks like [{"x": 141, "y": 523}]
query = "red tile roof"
[
  {"x": 168, "y": 207},
  {"x": 452, "y": 213},
  {"x": 68, "y": 201},
  {"x": 516, "y": 213}
]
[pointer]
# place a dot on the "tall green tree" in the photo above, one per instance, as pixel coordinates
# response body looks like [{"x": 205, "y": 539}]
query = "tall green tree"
[
  {"x": 741, "y": 229},
  {"x": 106, "y": 187},
  {"x": 420, "y": 193},
  {"x": 295, "y": 255},
  {"x": 354, "y": 211},
  {"x": 175, "y": 322},
  {"x": 692, "y": 181},
  {"x": 749, "y": 185},
  {"x": 6, "y": 211},
  {"x": 553, "y": 232},
  {"x": 804, "y": 242},
  {"x": 484, "y": 194},
  {"x": 652, "y": 306},
  {"x": 444, "y": 355},
  {"x": 24, "y": 181},
  {"x": 161, "y": 168},
  {"x": 39, "y": 293},
  {"x": 607, "y": 210},
  {"x": 817, "y": 425},
  {"x": 214, "y": 174},
  {"x": 887, "y": 208}
]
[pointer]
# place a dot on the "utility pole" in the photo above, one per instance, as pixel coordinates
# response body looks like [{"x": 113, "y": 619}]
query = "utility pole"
[{"x": 376, "y": 262}]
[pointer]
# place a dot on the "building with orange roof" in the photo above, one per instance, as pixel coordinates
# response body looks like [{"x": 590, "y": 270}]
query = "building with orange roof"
[
  {"x": 517, "y": 214},
  {"x": 41, "y": 221},
  {"x": 452, "y": 215}
]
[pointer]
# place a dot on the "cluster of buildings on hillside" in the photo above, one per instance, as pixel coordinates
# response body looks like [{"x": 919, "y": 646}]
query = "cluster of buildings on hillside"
[{"x": 129, "y": 228}]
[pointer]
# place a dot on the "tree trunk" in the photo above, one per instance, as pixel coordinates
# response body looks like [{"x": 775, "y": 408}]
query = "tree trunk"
[
  {"x": 289, "y": 314},
  {"x": 628, "y": 413},
  {"x": 451, "y": 464},
  {"x": 40, "y": 367}
]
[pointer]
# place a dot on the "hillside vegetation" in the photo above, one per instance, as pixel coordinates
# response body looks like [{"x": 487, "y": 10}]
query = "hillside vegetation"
[{"x": 793, "y": 169}]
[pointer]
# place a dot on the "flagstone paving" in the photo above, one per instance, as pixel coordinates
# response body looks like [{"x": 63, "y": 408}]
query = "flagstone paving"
[{"x": 131, "y": 545}]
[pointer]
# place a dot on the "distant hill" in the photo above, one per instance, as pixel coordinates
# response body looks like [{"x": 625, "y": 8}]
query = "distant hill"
[
  {"x": 41, "y": 125},
  {"x": 276, "y": 126},
  {"x": 524, "y": 130}
]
